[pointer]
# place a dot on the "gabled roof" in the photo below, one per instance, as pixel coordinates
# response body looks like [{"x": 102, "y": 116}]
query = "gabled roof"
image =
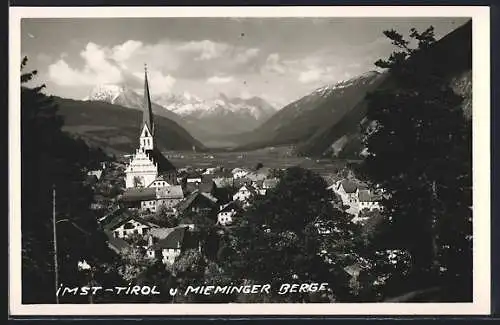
[
  {"x": 160, "y": 233},
  {"x": 170, "y": 192},
  {"x": 164, "y": 165},
  {"x": 349, "y": 186},
  {"x": 120, "y": 221},
  {"x": 117, "y": 244},
  {"x": 230, "y": 206},
  {"x": 251, "y": 189},
  {"x": 135, "y": 194},
  {"x": 193, "y": 197},
  {"x": 174, "y": 239}
]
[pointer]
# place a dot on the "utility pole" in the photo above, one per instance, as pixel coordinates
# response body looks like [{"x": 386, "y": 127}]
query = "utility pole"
[{"x": 56, "y": 266}]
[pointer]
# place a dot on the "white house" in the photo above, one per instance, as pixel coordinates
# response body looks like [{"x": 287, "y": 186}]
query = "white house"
[
  {"x": 160, "y": 181},
  {"x": 227, "y": 212},
  {"x": 367, "y": 200},
  {"x": 129, "y": 226},
  {"x": 244, "y": 194},
  {"x": 169, "y": 248},
  {"x": 239, "y": 173}
]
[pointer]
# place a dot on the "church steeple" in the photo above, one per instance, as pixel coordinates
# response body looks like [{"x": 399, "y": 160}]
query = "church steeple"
[
  {"x": 147, "y": 117},
  {"x": 148, "y": 128}
]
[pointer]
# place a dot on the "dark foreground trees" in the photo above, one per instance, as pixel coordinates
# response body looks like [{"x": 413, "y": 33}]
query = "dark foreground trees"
[
  {"x": 419, "y": 147},
  {"x": 50, "y": 157}
]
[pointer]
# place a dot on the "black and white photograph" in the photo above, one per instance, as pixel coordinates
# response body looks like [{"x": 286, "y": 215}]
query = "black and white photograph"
[{"x": 237, "y": 159}]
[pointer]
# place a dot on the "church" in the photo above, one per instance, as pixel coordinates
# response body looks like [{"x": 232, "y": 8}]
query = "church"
[{"x": 149, "y": 168}]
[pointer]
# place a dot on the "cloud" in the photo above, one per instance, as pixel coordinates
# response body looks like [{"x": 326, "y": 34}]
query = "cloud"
[
  {"x": 97, "y": 69},
  {"x": 247, "y": 55},
  {"x": 273, "y": 64},
  {"x": 121, "y": 53},
  {"x": 158, "y": 82},
  {"x": 310, "y": 75},
  {"x": 205, "y": 50},
  {"x": 219, "y": 80}
]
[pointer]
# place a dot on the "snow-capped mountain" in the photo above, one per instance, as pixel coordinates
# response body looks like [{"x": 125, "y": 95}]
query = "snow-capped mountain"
[
  {"x": 220, "y": 115},
  {"x": 298, "y": 121},
  {"x": 192, "y": 106}
]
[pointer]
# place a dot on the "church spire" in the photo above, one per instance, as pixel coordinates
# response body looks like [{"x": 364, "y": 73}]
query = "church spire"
[{"x": 147, "y": 117}]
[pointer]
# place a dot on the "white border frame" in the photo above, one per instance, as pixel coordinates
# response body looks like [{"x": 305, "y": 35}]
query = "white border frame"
[{"x": 481, "y": 163}]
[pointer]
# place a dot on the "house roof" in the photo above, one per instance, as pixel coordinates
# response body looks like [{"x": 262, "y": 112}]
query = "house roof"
[
  {"x": 223, "y": 181},
  {"x": 238, "y": 169},
  {"x": 193, "y": 197},
  {"x": 349, "y": 186},
  {"x": 96, "y": 173},
  {"x": 330, "y": 180},
  {"x": 160, "y": 233},
  {"x": 164, "y": 165},
  {"x": 366, "y": 196},
  {"x": 120, "y": 221},
  {"x": 170, "y": 192},
  {"x": 117, "y": 244},
  {"x": 251, "y": 189},
  {"x": 135, "y": 194},
  {"x": 230, "y": 206},
  {"x": 206, "y": 186},
  {"x": 174, "y": 239}
]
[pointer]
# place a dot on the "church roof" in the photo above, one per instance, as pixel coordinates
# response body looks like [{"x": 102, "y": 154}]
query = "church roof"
[
  {"x": 147, "y": 117},
  {"x": 164, "y": 165}
]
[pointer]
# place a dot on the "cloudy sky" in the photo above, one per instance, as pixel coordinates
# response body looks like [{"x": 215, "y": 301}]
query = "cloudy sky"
[{"x": 279, "y": 59}]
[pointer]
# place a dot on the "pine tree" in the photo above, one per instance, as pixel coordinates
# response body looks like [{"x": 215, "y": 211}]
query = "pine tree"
[
  {"x": 50, "y": 157},
  {"x": 419, "y": 146}
]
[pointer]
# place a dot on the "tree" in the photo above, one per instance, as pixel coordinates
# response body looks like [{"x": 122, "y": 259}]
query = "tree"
[
  {"x": 50, "y": 157},
  {"x": 278, "y": 240},
  {"x": 419, "y": 151}
]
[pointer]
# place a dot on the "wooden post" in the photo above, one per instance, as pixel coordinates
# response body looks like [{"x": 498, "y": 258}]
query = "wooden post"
[{"x": 56, "y": 266}]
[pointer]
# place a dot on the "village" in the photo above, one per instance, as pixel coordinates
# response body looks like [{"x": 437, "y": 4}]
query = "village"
[{"x": 147, "y": 203}]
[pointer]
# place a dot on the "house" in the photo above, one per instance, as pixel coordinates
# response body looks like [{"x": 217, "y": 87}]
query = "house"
[
  {"x": 97, "y": 173},
  {"x": 136, "y": 197},
  {"x": 210, "y": 171},
  {"x": 207, "y": 185},
  {"x": 149, "y": 199},
  {"x": 116, "y": 244},
  {"x": 161, "y": 181},
  {"x": 258, "y": 175},
  {"x": 368, "y": 200},
  {"x": 245, "y": 194},
  {"x": 221, "y": 182},
  {"x": 227, "y": 212},
  {"x": 197, "y": 202},
  {"x": 193, "y": 178},
  {"x": 128, "y": 226},
  {"x": 169, "y": 196},
  {"x": 168, "y": 248},
  {"x": 239, "y": 173}
]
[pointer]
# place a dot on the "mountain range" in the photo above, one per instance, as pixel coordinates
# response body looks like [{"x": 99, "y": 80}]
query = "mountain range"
[
  {"x": 326, "y": 122},
  {"x": 205, "y": 119},
  {"x": 301, "y": 119},
  {"x": 329, "y": 121}
]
